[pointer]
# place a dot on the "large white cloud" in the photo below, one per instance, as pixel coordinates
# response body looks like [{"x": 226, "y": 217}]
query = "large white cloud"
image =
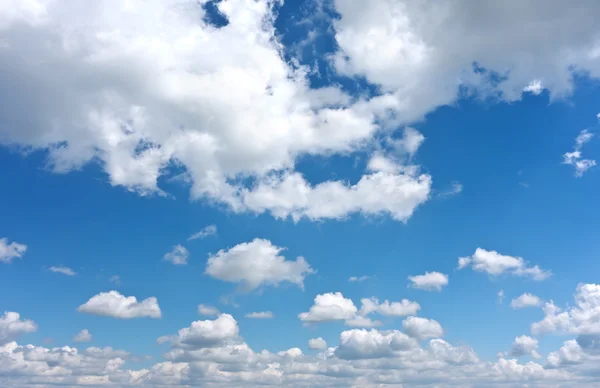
[
  {"x": 12, "y": 326},
  {"x": 208, "y": 333},
  {"x": 178, "y": 255},
  {"x": 11, "y": 251},
  {"x": 495, "y": 264},
  {"x": 396, "y": 309},
  {"x": 524, "y": 346},
  {"x": 575, "y": 158},
  {"x": 113, "y": 304},
  {"x": 83, "y": 336},
  {"x": 255, "y": 264}
]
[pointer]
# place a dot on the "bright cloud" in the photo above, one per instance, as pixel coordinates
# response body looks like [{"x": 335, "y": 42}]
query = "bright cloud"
[
  {"x": 12, "y": 326},
  {"x": 113, "y": 304},
  {"x": 178, "y": 255},
  {"x": 207, "y": 231},
  {"x": 63, "y": 270},
  {"x": 330, "y": 307},
  {"x": 525, "y": 300},
  {"x": 524, "y": 346},
  {"x": 496, "y": 264},
  {"x": 575, "y": 157},
  {"x": 317, "y": 344},
  {"x": 387, "y": 308},
  {"x": 430, "y": 281},
  {"x": 11, "y": 251},
  {"x": 83, "y": 336}
]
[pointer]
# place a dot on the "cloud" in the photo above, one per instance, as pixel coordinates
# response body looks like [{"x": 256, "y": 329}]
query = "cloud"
[
  {"x": 500, "y": 296},
  {"x": 582, "y": 318},
  {"x": 255, "y": 264},
  {"x": 358, "y": 279},
  {"x": 207, "y": 231},
  {"x": 260, "y": 315},
  {"x": 12, "y": 326},
  {"x": 524, "y": 346},
  {"x": 362, "y": 321},
  {"x": 209, "y": 311},
  {"x": 362, "y": 344},
  {"x": 83, "y": 336},
  {"x": 394, "y": 309},
  {"x": 455, "y": 189},
  {"x": 9, "y": 252},
  {"x": 496, "y": 264},
  {"x": 525, "y": 300},
  {"x": 113, "y": 304},
  {"x": 208, "y": 333},
  {"x": 575, "y": 157},
  {"x": 63, "y": 270},
  {"x": 422, "y": 328},
  {"x": 317, "y": 344},
  {"x": 330, "y": 307},
  {"x": 430, "y": 281},
  {"x": 178, "y": 255}
]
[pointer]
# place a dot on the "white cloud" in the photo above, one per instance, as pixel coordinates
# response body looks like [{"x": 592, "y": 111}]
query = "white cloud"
[
  {"x": 524, "y": 346},
  {"x": 422, "y": 328},
  {"x": 363, "y": 344},
  {"x": 575, "y": 158},
  {"x": 394, "y": 309},
  {"x": 178, "y": 255},
  {"x": 11, "y": 251},
  {"x": 209, "y": 230},
  {"x": 525, "y": 300},
  {"x": 358, "y": 279},
  {"x": 583, "y": 318},
  {"x": 455, "y": 189},
  {"x": 207, "y": 334},
  {"x": 12, "y": 326},
  {"x": 495, "y": 264},
  {"x": 209, "y": 311},
  {"x": 430, "y": 281},
  {"x": 63, "y": 270},
  {"x": 317, "y": 344},
  {"x": 113, "y": 304},
  {"x": 260, "y": 315},
  {"x": 255, "y": 264},
  {"x": 330, "y": 307},
  {"x": 362, "y": 321},
  {"x": 115, "y": 279},
  {"x": 83, "y": 336},
  {"x": 535, "y": 87}
]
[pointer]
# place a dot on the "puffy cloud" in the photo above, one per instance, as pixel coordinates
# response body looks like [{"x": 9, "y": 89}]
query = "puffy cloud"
[
  {"x": 83, "y": 336},
  {"x": 422, "y": 328},
  {"x": 63, "y": 270},
  {"x": 525, "y": 300},
  {"x": 317, "y": 344},
  {"x": 260, "y": 315},
  {"x": 583, "y": 318},
  {"x": 395, "y": 309},
  {"x": 206, "y": 334},
  {"x": 430, "y": 281},
  {"x": 330, "y": 307},
  {"x": 575, "y": 157},
  {"x": 495, "y": 264},
  {"x": 113, "y": 304},
  {"x": 524, "y": 346},
  {"x": 12, "y": 326},
  {"x": 178, "y": 255},
  {"x": 11, "y": 251},
  {"x": 570, "y": 353},
  {"x": 535, "y": 87},
  {"x": 363, "y": 344},
  {"x": 209, "y": 311},
  {"x": 209, "y": 230},
  {"x": 255, "y": 264}
]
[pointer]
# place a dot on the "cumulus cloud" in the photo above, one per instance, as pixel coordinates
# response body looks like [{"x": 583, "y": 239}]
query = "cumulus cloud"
[
  {"x": 331, "y": 306},
  {"x": 178, "y": 255},
  {"x": 12, "y": 326},
  {"x": 208, "y": 333},
  {"x": 575, "y": 157},
  {"x": 387, "y": 308},
  {"x": 255, "y": 264},
  {"x": 363, "y": 344},
  {"x": 430, "y": 281},
  {"x": 209, "y": 311},
  {"x": 11, "y": 251},
  {"x": 524, "y": 346},
  {"x": 260, "y": 315},
  {"x": 113, "y": 304},
  {"x": 525, "y": 300},
  {"x": 63, "y": 270},
  {"x": 83, "y": 336},
  {"x": 422, "y": 328},
  {"x": 207, "y": 231},
  {"x": 496, "y": 264},
  {"x": 317, "y": 344}
]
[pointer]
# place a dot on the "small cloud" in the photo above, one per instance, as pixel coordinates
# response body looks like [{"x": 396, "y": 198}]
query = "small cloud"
[
  {"x": 525, "y": 300},
  {"x": 455, "y": 189},
  {"x": 11, "y": 251},
  {"x": 358, "y": 279},
  {"x": 535, "y": 87},
  {"x": 209, "y": 311},
  {"x": 260, "y": 315},
  {"x": 575, "y": 158},
  {"x": 178, "y": 255},
  {"x": 83, "y": 336},
  {"x": 63, "y": 270},
  {"x": 430, "y": 281},
  {"x": 207, "y": 231},
  {"x": 115, "y": 279}
]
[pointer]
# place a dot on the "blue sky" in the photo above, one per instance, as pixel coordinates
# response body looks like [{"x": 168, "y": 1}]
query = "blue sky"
[{"x": 317, "y": 141}]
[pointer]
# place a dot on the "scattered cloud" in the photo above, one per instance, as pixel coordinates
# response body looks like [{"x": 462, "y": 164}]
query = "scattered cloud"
[
  {"x": 525, "y": 300},
  {"x": 209, "y": 311},
  {"x": 317, "y": 344},
  {"x": 575, "y": 157},
  {"x": 255, "y": 264},
  {"x": 535, "y": 87},
  {"x": 331, "y": 306},
  {"x": 12, "y": 327},
  {"x": 393, "y": 309},
  {"x": 524, "y": 346},
  {"x": 358, "y": 279},
  {"x": 83, "y": 336},
  {"x": 454, "y": 189},
  {"x": 430, "y": 281},
  {"x": 178, "y": 255},
  {"x": 113, "y": 304},
  {"x": 260, "y": 315},
  {"x": 496, "y": 264},
  {"x": 11, "y": 251},
  {"x": 207, "y": 231},
  {"x": 422, "y": 328},
  {"x": 63, "y": 270}
]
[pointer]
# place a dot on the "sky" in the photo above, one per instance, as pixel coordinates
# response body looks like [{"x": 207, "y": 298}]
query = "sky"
[{"x": 331, "y": 193}]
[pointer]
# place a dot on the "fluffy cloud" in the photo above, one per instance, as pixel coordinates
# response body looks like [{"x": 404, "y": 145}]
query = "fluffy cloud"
[
  {"x": 63, "y": 270},
  {"x": 83, "y": 336},
  {"x": 260, "y": 315},
  {"x": 583, "y": 318},
  {"x": 178, "y": 255},
  {"x": 422, "y": 328},
  {"x": 363, "y": 344},
  {"x": 255, "y": 264},
  {"x": 317, "y": 344},
  {"x": 524, "y": 346},
  {"x": 430, "y": 281},
  {"x": 330, "y": 307},
  {"x": 207, "y": 334},
  {"x": 395, "y": 309},
  {"x": 12, "y": 326},
  {"x": 209, "y": 230},
  {"x": 113, "y": 304},
  {"x": 525, "y": 300},
  {"x": 495, "y": 264},
  {"x": 209, "y": 311},
  {"x": 9, "y": 252},
  {"x": 575, "y": 157}
]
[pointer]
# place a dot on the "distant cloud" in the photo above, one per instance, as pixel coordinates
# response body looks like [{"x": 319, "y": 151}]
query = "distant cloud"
[
  {"x": 455, "y": 189},
  {"x": 113, "y": 304},
  {"x": 11, "y": 251},
  {"x": 209, "y": 230},
  {"x": 260, "y": 315},
  {"x": 575, "y": 157},
  {"x": 178, "y": 255},
  {"x": 63, "y": 270},
  {"x": 535, "y": 87},
  {"x": 317, "y": 344},
  {"x": 525, "y": 300},
  {"x": 209, "y": 311},
  {"x": 83, "y": 336},
  {"x": 495, "y": 264},
  {"x": 115, "y": 279},
  {"x": 357, "y": 279},
  {"x": 430, "y": 281},
  {"x": 12, "y": 326}
]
